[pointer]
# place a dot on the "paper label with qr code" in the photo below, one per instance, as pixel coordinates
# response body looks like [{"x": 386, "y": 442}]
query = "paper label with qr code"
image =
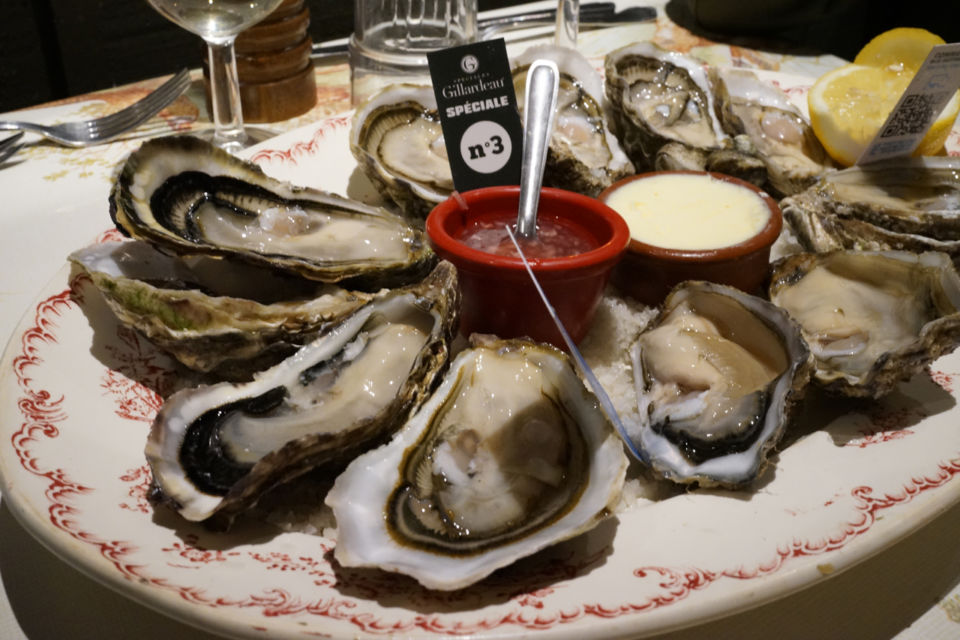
[{"x": 928, "y": 93}]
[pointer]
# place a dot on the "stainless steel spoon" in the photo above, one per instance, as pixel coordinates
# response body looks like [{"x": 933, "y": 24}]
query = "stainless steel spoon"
[{"x": 540, "y": 106}]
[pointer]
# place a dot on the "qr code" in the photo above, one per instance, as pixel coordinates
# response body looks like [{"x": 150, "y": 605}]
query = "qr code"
[{"x": 914, "y": 115}]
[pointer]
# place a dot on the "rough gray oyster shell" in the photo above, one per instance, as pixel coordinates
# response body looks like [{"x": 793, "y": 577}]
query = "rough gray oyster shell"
[
  {"x": 745, "y": 106},
  {"x": 910, "y": 204},
  {"x": 662, "y": 105},
  {"x": 510, "y": 454},
  {"x": 191, "y": 198},
  {"x": 211, "y": 315},
  {"x": 717, "y": 375},
  {"x": 872, "y": 319},
  {"x": 214, "y": 450}
]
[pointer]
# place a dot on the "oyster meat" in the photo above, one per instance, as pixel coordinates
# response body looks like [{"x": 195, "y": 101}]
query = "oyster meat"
[
  {"x": 191, "y": 198},
  {"x": 583, "y": 155},
  {"x": 871, "y": 319},
  {"x": 908, "y": 204},
  {"x": 398, "y": 143},
  {"x": 510, "y": 454},
  {"x": 717, "y": 375},
  {"x": 212, "y": 315},
  {"x": 214, "y": 450},
  {"x": 746, "y": 106}
]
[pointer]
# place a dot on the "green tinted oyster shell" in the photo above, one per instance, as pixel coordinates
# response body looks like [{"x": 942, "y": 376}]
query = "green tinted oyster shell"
[{"x": 211, "y": 315}]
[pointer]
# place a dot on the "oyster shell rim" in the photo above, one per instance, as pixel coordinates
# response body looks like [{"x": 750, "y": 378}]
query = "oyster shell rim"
[
  {"x": 465, "y": 570},
  {"x": 895, "y": 366},
  {"x": 438, "y": 294},
  {"x": 791, "y": 387},
  {"x": 127, "y": 216}
]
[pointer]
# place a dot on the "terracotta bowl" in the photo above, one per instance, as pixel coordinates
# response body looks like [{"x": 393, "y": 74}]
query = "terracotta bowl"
[
  {"x": 648, "y": 272},
  {"x": 498, "y": 295}
]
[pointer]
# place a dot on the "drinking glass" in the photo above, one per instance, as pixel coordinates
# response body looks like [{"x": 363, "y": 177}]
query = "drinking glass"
[
  {"x": 391, "y": 39},
  {"x": 218, "y": 22}
]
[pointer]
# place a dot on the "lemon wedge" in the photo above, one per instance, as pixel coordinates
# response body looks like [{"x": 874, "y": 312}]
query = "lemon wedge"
[{"x": 849, "y": 105}]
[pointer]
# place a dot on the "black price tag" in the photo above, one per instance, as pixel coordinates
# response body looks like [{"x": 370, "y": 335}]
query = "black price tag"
[{"x": 478, "y": 114}]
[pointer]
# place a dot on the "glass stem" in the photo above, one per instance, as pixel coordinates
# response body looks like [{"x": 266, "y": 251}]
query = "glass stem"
[
  {"x": 225, "y": 96},
  {"x": 568, "y": 23}
]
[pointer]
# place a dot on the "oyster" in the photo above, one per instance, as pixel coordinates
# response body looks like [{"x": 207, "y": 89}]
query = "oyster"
[
  {"x": 510, "y": 454},
  {"x": 659, "y": 96},
  {"x": 905, "y": 203},
  {"x": 717, "y": 375},
  {"x": 871, "y": 319},
  {"x": 663, "y": 113},
  {"x": 191, "y": 198},
  {"x": 739, "y": 160},
  {"x": 398, "y": 143},
  {"x": 764, "y": 114},
  {"x": 211, "y": 315},
  {"x": 215, "y": 450},
  {"x": 583, "y": 155}
]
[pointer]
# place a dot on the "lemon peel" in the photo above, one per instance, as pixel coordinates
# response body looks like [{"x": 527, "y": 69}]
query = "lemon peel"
[
  {"x": 849, "y": 105},
  {"x": 904, "y": 47}
]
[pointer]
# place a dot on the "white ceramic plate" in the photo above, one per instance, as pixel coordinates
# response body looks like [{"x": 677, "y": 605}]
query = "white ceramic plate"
[{"x": 78, "y": 392}]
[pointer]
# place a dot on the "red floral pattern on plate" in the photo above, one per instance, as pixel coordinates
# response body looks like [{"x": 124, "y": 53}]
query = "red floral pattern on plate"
[
  {"x": 140, "y": 478},
  {"x": 540, "y": 593},
  {"x": 945, "y": 380},
  {"x": 525, "y": 592},
  {"x": 302, "y": 149}
]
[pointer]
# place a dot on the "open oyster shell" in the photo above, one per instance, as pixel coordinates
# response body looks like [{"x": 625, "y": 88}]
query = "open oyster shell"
[
  {"x": 189, "y": 197},
  {"x": 659, "y": 96},
  {"x": 230, "y": 318},
  {"x": 872, "y": 319},
  {"x": 583, "y": 155},
  {"x": 662, "y": 104},
  {"x": 717, "y": 376},
  {"x": 398, "y": 142},
  {"x": 214, "y": 450},
  {"x": 908, "y": 204},
  {"x": 510, "y": 454},
  {"x": 778, "y": 132}
]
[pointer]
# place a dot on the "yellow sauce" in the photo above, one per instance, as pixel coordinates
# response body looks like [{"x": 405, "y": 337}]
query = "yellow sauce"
[{"x": 689, "y": 211}]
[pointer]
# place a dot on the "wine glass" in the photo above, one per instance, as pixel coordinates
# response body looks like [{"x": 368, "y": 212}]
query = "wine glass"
[
  {"x": 568, "y": 23},
  {"x": 218, "y": 22}
]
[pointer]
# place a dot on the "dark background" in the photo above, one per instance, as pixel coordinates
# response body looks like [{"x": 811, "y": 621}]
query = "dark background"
[{"x": 51, "y": 49}]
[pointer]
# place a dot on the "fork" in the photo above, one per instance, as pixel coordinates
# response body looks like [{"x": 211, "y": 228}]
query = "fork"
[
  {"x": 8, "y": 148},
  {"x": 588, "y": 12},
  {"x": 630, "y": 14},
  {"x": 89, "y": 132}
]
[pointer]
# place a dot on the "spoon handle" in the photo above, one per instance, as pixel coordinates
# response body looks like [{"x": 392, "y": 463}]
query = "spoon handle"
[{"x": 540, "y": 106}]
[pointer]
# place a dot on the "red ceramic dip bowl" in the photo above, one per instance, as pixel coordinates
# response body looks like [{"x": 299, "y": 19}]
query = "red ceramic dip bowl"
[
  {"x": 647, "y": 272},
  {"x": 497, "y": 294}
]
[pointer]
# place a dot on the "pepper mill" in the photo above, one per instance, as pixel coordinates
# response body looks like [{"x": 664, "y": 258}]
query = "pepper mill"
[{"x": 276, "y": 72}]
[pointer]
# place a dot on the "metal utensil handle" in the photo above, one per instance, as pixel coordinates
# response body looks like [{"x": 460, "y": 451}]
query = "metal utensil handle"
[
  {"x": 588, "y": 11},
  {"x": 540, "y": 105}
]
